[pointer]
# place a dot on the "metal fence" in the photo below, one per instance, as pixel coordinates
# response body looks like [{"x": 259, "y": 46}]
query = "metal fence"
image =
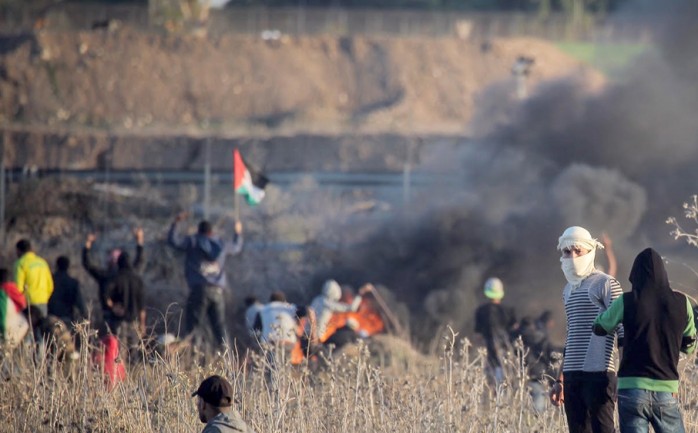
[{"x": 350, "y": 22}]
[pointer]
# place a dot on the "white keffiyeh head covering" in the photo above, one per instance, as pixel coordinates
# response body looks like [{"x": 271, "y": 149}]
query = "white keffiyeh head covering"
[
  {"x": 576, "y": 236},
  {"x": 576, "y": 269}
]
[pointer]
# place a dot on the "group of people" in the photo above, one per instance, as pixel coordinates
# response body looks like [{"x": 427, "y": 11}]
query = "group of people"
[
  {"x": 48, "y": 307},
  {"x": 652, "y": 324},
  {"x": 43, "y": 297},
  {"x": 305, "y": 331},
  {"x": 498, "y": 327},
  {"x": 52, "y": 305},
  {"x": 277, "y": 323}
]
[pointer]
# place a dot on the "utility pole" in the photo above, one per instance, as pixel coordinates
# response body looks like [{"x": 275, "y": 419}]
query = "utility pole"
[
  {"x": 207, "y": 179},
  {"x": 407, "y": 170},
  {"x": 5, "y": 138}
]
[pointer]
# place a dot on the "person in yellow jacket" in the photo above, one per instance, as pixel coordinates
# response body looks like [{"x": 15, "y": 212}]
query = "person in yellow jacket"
[{"x": 33, "y": 276}]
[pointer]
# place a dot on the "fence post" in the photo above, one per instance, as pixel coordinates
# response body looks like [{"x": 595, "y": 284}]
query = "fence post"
[
  {"x": 207, "y": 179},
  {"x": 5, "y": 138}
]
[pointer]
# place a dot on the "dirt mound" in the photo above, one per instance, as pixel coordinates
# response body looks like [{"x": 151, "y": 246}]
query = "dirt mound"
[
  {"x": 389, "y": 351},
  {"x": 130, "y": 79}
]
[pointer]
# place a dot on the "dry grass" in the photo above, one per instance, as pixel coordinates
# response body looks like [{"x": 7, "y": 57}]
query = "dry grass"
[{"x": 354, "y": 393}]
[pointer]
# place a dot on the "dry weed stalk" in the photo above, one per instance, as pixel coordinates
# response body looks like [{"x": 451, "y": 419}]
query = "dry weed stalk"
[{"x": 350, "y": 393}]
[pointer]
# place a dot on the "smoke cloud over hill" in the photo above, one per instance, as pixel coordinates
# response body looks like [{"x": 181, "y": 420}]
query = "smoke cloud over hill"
[{"x": 620, "y": 161}]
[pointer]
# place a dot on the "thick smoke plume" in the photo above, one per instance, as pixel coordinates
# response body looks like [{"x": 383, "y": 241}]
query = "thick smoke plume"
[
  {"x": 600, "y": 198},
  {"x": 620, "y": 160}
]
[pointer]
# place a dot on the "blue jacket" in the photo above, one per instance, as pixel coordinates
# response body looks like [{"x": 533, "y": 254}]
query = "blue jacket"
[{"x": 205, "y": 256}]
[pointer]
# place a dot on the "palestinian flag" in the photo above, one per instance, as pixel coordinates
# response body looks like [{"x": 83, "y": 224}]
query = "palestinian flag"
[
  {"x": 246, "y": 181},
  {"x": 13, "y": 324}
]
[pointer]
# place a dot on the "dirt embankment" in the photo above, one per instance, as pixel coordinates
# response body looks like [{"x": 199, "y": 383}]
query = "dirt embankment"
[
  {"x": 127, "y": 79},
  {"x": 320, "y": 103}
]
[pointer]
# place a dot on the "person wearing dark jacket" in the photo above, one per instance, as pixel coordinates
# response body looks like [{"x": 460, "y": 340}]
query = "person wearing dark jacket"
[
  {"x": 104, "y": 275},
  {"x": 658, "y": 326},
  {"x": 204, "y": 271},
  {"x": 126, "y": 304},
  {"x": 66, "y": 302},
  {"x": 495, "y": 323},
  {"x": 347, "y": 334},
  {"x": 538, "y": 352}
]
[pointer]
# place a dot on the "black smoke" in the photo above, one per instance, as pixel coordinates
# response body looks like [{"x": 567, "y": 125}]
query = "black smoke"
[{"x": 618, "y": 160}]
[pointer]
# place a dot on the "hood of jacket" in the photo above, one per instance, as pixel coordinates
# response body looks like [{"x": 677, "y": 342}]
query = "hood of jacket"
[
  {"x": 209, "y": 247},
  {"x": 648, "y": 275}
]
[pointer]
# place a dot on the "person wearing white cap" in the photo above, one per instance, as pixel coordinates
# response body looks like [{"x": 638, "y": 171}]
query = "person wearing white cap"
[
  {"x": 587, "y": 382},
  {"x": 328, "y": 303},
  {"x": 495, "y": 323}
]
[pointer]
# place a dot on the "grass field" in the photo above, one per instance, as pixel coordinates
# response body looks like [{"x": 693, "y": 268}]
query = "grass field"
[
  {"x": 357, "y": 393},
  {"x": 608, "y": 58}
]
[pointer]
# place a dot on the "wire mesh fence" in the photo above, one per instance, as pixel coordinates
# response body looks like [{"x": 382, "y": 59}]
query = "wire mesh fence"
[{"x": 339, "y": 21}]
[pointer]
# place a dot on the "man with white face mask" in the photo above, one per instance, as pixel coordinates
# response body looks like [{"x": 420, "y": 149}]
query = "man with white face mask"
[{"x": 587, "y": 382}]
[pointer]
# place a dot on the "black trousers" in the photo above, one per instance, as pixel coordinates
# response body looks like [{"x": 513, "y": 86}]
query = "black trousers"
[
  {"x": 205, "y": 314},
  {"x": 590, "y": 399}
]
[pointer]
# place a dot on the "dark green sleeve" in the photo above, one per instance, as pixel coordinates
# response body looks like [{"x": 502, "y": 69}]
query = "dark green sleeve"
[{"x": 689, "y": 333}]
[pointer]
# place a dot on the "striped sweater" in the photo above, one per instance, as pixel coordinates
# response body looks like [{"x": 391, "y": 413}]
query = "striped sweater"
[{"x": 585, "y": 351}]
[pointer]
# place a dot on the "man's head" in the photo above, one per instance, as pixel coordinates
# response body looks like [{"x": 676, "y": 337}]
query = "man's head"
[
  {"x": 578, "y": 250},
  {"x": 124, "y": 261},
  {"x": 302, "y": 312},
  {"x": 63, "y": 263},
  {"x": 545, "y": 320},
  {"x": 277, "y": 297},
  {"x": 648, "y": 274},
  {"x": 205, "y": 228},
  {"x": 251, "y": 300},
  {"x": 113, "y": 257},
  {"x": 332, "y": 290},
  {"x": 494, "y": 289},
  {"x": 577, "y": 241},
  {"x": 213, "y": 396},
  {"x": 23, "y": 246}
]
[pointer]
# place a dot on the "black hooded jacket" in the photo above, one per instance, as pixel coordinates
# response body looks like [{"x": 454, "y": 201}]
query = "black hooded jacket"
[
  {"x": 654, "y": 317},
  {"x": 105, "y": 275},
  {"x": 126, "y": 291}
]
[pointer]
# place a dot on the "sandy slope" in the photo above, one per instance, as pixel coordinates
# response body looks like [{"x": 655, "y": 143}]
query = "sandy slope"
[{"x": 126, "y": 78}]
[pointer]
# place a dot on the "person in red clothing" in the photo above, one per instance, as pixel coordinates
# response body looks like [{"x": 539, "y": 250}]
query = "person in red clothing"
[{"x": 106, "y": 358}]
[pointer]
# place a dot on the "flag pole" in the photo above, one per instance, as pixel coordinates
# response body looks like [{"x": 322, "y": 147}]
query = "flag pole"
[
  {"x": 236, "y": 206},
  {"x": 236, "y": 196}
]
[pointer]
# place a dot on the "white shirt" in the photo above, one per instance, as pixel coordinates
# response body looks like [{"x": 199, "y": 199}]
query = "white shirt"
[
  {"x": 324, "y": 309},
  {"x": 279, "y": 322}
]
